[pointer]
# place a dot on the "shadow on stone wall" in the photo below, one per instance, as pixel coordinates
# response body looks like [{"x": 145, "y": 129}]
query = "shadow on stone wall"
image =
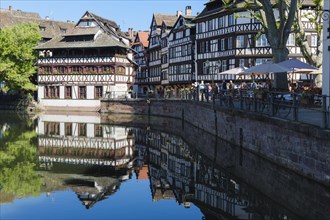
[{"x": 280, "y": 184}]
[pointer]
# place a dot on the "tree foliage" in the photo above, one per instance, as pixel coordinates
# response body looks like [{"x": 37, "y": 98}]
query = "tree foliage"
[
  {"x": 17, "y": 162},
  {"x": 277, "y": 18},
  {"x": 17, "y": 55},
  {"x": 314, "y": 17}
]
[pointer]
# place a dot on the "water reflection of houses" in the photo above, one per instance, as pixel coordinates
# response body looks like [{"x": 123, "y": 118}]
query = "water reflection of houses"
[
  {"x": 97, "y": 156},
  {"x": 177, "y": 172}
]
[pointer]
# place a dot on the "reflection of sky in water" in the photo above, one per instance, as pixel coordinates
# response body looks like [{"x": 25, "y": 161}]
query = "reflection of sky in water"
[{"x": 131, "y": 201}]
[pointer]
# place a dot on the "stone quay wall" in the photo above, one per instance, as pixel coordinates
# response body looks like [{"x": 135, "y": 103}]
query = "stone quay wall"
[{"x": 302, "y": 148}]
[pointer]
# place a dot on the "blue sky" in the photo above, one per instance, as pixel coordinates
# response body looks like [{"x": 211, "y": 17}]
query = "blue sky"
[{"x": 134, "y": 14}]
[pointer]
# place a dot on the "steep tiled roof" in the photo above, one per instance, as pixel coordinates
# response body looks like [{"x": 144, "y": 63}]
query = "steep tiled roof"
[
  {"x": 82, "y": 31},
  {"x": 105, "y": 21},
  {"x": 102, "y": 40},
  {"x": 169, "y": 20},
  {"x": 144, "y": 37},
  {"x": 48, "y": 28},
  {"x": 216, "y": 6},
  {"x": 107, "y": 25}
]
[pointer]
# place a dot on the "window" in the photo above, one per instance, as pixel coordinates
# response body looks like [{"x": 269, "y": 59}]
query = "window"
[
  {"x": 121, "y": 70},
  {"x": 222, "y": 44},
  {"x": 241, "y": 62},
  {"x": 291, "y": 40},
  {"x": 68, "y": 92},
  {"x": 82, "y": 129},
  {"x": 98, "y": 130},
  {"x": 224, "y": 65},
  {"x": 206, "y": 67},
  {"x": 199, "y": 28},
  {"x": 230, "y": 43},
  {"x": 63, "y": 30},
  {"x": 210, "y": 25},
  {"x": 164, "y": 58},
  {"x": 108, "y": 69},
  {"x": 204, "y": 47},
  {"x": 240, "y": 41},
  {"x": 98, "y": 92},
  {"x": 214, "y": 45},
  {"x": 231, "y": 64},
  {"x": 77, "y": 69},
  {"x": 313, "y": 40},
  {"x": 178, "y": 52},
  {"x": 231, "y": 20},
  {"x": 52, "y": 128},
  {"x": 52, "y": 92},
  {"x": 184, "y": 50},
  {"x": 82, "y": 92},
  {"x": 47, "y": 69},
  {"x": 262, "y": 60},
  {"x": 68, "y": 129},
  {"x": 179, "y": 35},
  {"x": 262, "y": 41},
  {"x": 221, "y": 22}
]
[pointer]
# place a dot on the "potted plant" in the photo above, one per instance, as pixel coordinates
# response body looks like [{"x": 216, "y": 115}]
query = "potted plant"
[{"x": 307, "y": 97}]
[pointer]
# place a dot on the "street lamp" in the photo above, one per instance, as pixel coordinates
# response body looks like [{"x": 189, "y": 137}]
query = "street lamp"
[
  {"x": 207, "y": 67},
  {"x": 219, "y": 66}
]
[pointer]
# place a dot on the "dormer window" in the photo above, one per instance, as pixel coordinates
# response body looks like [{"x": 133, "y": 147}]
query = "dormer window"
[
  {"x": 41, "y": 28},
  {"x": 87, "y": 24},
  {"x": 63, "y": 30}
]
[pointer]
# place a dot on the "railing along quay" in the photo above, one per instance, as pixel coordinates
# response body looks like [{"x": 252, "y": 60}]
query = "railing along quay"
[{"x": 312, "y": 109}]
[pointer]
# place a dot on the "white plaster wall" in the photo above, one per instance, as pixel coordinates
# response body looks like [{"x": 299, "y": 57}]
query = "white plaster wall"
[
  {"x": 90, "y": 130},
  {"x": 90, "y": 92},
  {"x": 41, "y": 90},
  {"x": 61, "y": 92},
  {"x": 70, "y": 103},
  {"x": 74, "y": 92}
]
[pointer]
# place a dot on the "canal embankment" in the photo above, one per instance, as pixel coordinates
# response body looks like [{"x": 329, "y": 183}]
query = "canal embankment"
[{"x": 300, "y": 147}]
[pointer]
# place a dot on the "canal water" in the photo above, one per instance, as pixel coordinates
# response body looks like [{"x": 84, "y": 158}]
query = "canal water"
[{"x": 60, "y": 166}]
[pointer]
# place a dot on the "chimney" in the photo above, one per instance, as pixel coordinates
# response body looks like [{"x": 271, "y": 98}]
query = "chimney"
[
  {"x": 10, "y": 8},
  {"x": 130, "y": 32},
  {"x": 47, "y": 18},
  {"x": 188, "y": 10},
  {"x": 178, "y": 13}
]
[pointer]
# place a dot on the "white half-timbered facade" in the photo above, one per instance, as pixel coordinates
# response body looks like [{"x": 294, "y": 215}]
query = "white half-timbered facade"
[
  {"x": 83, "y": 140},
  {"x": 229, "y": 38},
  {"x": 158, "y": 30},
  {"x": 181, "y": 50},
  {"x": 79, "y": 68},
  {"x": 140, "y": 46}
]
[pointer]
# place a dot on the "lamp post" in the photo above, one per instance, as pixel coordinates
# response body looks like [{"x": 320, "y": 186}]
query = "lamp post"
[
  {"x": 207, "y": 66},
  {"x": 219, "y": 66}
]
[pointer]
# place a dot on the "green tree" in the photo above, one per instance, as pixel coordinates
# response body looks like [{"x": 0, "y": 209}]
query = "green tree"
[
  {"x": 314, "y": 17},
  {"x": 277, "y": 18},
  {"x": 17, "y": 56},
  {"x": 17, "y": 162}
]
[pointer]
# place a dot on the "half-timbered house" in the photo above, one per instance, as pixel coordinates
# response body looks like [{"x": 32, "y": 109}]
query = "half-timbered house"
[
  {"x": 79, "y": 68},
  {"x": 181, "y": 41},
  {"x": 160, "y": 24},
  {"x": 81, "y": 140},
  {"x": 140, "y": 46},
  {"x": 229, "y": 37}
]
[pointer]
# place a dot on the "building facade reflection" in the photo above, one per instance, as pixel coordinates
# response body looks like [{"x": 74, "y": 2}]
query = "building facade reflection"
[
  {"x": 94, "y": 157},
  {"x": 178, "y": 172}
]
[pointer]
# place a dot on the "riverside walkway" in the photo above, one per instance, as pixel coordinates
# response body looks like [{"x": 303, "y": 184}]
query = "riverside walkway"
[{"x": 281, "y": 105}]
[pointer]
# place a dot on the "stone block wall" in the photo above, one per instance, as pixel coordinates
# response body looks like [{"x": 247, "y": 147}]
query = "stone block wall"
[{"x": 302, "y": 148}]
